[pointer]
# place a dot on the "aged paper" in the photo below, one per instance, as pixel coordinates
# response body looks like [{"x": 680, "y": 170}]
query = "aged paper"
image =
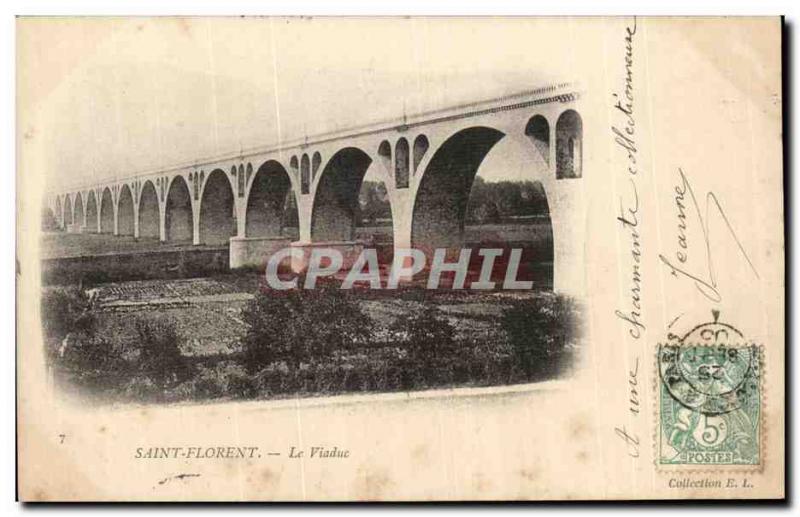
[{"x": 399, "y": 259}]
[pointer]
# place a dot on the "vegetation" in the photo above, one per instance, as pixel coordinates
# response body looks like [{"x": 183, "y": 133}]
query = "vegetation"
[
  {"x": 489, "y": 203},
  {"x": 492, "y": 203},
  {"x": 98, "y": 363},
  {"x": 540, "y": 334},
  {"x": 318, "y": 342},
  {"x": 301, "y": 326}
]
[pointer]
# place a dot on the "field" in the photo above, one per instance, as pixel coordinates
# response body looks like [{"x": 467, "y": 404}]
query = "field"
[
  {"x": 207, "y": 312},
  {"x": 224, "y": 335}
]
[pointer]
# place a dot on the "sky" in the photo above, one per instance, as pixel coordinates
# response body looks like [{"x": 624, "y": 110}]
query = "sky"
[{"x": 110, "y": 97}]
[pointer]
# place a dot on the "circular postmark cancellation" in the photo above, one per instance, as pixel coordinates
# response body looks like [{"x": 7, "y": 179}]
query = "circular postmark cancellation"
[
  {"x": 712, "y": 369},
  {"x": 710, "y": 396}
]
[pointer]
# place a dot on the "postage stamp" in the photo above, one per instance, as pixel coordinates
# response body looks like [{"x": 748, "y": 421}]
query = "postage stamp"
[{"x": 710, "y": 399}]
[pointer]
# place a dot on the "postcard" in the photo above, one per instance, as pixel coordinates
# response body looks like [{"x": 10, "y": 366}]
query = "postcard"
[{"x": 400, "y": 259}]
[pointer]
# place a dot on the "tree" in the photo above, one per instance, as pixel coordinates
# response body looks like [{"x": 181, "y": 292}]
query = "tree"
[
  {"x": 429, "y": 340},
  {"x": 493, "y": 202},
  {"x": 540, "y": 332},
  {"x": 373, "y": 202},
  {"x": 160, "y": 356},
  {"x": 300, "y": 325}
]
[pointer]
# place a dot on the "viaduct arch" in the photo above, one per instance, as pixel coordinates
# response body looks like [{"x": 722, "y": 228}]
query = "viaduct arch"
[
  {"x": 267, "y": 201},
  {"x": 68, "y": 211},
  {"x": 217, "y": 214},
  {"x": 178, "y": 213},
  {"x": 78, "y": 218},
  {"x": 91, "y": 213},
  {"x": 439, "y": 212},
  {"x": 335, "y": 201},
  {"x": 107, "y": 211},
  {"x": 149, "y": 212},
  {"x": 125, "y": 215}
]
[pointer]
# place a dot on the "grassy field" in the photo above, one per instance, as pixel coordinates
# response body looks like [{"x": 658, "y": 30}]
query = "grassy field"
[
  {"x": 203, "y": 334},
  {"x": 222, "y": 335},
  {"x": 207, "y": 312}
]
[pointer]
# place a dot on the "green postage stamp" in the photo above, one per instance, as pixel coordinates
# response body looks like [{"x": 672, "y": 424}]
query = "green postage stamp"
[{"x": 709, "y": 410}]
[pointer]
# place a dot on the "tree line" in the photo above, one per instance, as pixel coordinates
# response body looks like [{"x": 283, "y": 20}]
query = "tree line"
[{"x": 489, "y": 203}]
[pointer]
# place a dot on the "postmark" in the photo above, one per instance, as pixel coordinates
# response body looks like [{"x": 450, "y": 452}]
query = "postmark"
[{"x": 710, "y": 396}]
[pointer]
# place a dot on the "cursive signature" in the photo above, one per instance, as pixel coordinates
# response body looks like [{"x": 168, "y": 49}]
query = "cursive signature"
[{"x": 706, "y": 282}]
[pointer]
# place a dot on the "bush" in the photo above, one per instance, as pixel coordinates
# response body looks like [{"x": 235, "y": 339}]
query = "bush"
[
  {"x": 160, "y": 356},
  {"x": 93, "y": 363},
  {"x": 429, "y": 343},
  {"x": 107, "y": 365},
  {"x": 67, "y": 311},
  {"x": 541, "y": 332},
  {"x": 224, "y": 379},
  {"x": 299, "y": 326}
]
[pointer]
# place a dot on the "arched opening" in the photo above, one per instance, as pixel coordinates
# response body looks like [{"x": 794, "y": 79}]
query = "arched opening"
[
  {"x": 509, "y": 211},
  {"x": 420, "y": 148},
  {"x": 125, "y": 211},
  {"x": 316, "y": 161},
  {"x": 79, "y": 211},
  {"x": 333, "y": 216},
  {"x": 538, "y": 130},
  {"x": 569, "y": 145},
  {"x": 305, "y": 175},
  {"x": 106, "y": 212},
  {"x": 441, "y": 202},
  {"x": 271, "y": 207},
  {"x": 385, "y": 153},
  {"x": 178, "y": 224},
  {"x": 401, "y": 164},
  {"x": 59, "y": 212},
  {"x": 482, "y": 191},
  {"x": 149, "y": 227},
  {"x": 240, "y": 181},
  {"x": 67, "y": 210},
  {"x": 195, "y": 180},
  {"x": 91, "y": 213},
  {"x": 217, "y": 216},
  {"x": 374, "y": 216}
]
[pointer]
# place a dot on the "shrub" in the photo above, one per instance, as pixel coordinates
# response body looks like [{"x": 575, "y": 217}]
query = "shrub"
[
  {"x": 428, "y": 340},
  {"x": 299, "y": 326},
  {"x": 66, "y": 311},
  {"x": 160, "y": 356},
  {"x": 540, "y": 333},
  {"x": 269, "y": 337},
  {"x": 224, "y": 379},
  {"x": 93, "y": 363}
]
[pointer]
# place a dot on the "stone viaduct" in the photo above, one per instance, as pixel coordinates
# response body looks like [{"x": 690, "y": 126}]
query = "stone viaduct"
[{"x": 427, "y": 163}]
